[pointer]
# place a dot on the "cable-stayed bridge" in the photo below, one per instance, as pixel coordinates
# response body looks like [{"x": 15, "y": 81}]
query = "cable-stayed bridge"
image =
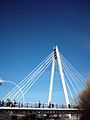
[{"x": 72, "y": 83}]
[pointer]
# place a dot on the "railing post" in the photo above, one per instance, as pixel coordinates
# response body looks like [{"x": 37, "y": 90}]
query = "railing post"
[{"x": 27, "y": 104}]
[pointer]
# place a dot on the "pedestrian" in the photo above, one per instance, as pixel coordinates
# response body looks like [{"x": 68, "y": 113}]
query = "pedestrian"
[
  {"x": 14, "y": 103},
  {"x": 39, "y": 104},
  {"x": 2, "y": 102}
]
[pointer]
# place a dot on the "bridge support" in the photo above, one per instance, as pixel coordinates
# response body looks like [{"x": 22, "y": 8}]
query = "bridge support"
[
  {"x": 62, "y": 77},
  {"x": 57, "y": 56},
  {"x": 51, "y": 81}
]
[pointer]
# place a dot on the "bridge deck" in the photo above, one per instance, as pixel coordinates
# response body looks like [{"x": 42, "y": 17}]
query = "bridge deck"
[
  {"x": 23, "y": 109},
  {"x": 38, "y": 113}
]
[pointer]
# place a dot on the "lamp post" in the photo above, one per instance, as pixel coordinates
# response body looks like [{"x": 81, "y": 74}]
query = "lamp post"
[{"x": 4, "y": 81}]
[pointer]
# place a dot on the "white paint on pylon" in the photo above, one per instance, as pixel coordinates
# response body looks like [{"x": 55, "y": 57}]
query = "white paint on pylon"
[
  {"x": 62, "y": 77},
  {"x": 51, "y": 81}
]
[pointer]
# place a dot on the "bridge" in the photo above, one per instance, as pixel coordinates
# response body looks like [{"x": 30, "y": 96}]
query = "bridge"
[{"x": 72, "y": 83}]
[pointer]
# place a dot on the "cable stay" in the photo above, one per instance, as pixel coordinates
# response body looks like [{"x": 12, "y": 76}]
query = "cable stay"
[
  {"x": 69, "y": 79},
  {"x": 70, "y": 91},
  {"x": 72, "y": 80},
  {"x": 36, "y": 78},
  {"x": 71, "y": 76},
  {"x": 33, "y": 77},
  {"x": 73, "y": 69},
  {"x": 43, "y": 65}
]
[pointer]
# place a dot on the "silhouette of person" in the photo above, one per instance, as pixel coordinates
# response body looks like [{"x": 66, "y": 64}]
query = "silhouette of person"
[
  {"x": 2, "y": 102},
  {"x": 39, "y": 104}
]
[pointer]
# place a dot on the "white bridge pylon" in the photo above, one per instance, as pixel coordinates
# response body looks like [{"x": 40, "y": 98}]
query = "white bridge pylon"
[
  {"x": 72, "y": 80},
  {"x": 56, "y": 56}
]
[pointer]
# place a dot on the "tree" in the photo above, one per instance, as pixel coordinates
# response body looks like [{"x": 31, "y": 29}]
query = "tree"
[{"x": 85, "y": 102}]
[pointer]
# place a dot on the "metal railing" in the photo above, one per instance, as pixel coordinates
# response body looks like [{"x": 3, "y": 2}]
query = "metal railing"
[{"x": 34, "y": 105}]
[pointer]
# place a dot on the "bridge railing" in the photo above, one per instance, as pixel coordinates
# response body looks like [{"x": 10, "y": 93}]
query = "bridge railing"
[
  {"x": 44, "y": 105},
  {"x": 34, "y": 105}
]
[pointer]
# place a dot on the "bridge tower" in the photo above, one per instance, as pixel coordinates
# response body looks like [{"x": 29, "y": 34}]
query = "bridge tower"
[{"x": 56, "y": 56}]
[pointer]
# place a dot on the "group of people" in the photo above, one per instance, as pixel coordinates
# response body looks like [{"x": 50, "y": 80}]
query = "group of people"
[{"x": 8, "y": 103}]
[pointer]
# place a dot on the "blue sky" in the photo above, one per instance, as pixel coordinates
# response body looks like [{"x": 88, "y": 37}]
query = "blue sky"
[{"x": 29, "y": 29}]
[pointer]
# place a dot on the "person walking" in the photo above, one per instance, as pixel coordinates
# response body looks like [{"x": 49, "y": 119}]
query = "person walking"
[{"x": 39, "y": 104}]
